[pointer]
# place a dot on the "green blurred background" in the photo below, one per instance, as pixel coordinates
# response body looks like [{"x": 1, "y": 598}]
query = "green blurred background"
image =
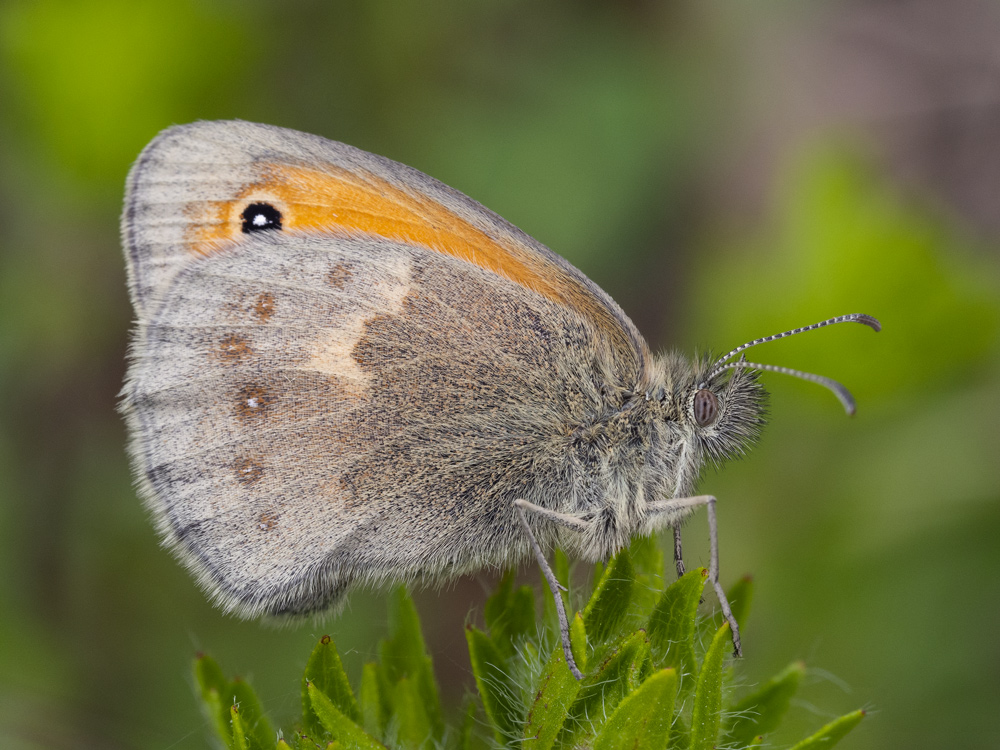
[{"x": 725, "y": 169}]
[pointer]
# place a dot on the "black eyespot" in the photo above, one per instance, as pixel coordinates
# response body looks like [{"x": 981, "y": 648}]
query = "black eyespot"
[
  {"x": 260, "y": 216},
  {"x": 706, "y": 407}
]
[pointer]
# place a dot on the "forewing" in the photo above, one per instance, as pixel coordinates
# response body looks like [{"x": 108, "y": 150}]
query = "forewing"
[{"x": 189, "y": 188}]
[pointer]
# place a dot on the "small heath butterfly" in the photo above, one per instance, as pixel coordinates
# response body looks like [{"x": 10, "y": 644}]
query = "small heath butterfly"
[{"x": 344, "y": 372}]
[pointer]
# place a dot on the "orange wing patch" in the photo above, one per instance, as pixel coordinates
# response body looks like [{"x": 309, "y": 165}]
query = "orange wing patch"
[{"x": 336, "y": 198}]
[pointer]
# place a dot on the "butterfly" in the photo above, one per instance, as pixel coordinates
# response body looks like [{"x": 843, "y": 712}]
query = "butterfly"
[{"x": 343, "y": 372}]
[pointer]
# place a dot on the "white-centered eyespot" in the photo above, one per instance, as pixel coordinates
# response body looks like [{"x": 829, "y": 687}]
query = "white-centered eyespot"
[{"x": 260, "y": 216}]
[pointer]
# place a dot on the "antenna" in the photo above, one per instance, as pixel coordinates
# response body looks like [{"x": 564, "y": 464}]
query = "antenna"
[{"x": 840, "y": 391}]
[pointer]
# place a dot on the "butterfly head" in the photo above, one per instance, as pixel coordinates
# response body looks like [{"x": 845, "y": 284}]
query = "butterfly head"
[
  {"x": 701, "y": 418},
  {"x": 717, "y": 407}
]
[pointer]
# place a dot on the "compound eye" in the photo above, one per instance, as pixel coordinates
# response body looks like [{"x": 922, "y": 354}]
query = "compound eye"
[{"x": 706, "y": 407}]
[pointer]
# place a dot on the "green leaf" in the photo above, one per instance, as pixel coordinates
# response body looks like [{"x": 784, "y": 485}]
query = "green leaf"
[
  {"x": 642, "y": 668},
  {"x": 624, "y": 667},
  {"x": 762, "y": 711},
  {"x": 578, "y": 641},
  {"x": 680, "y": 735},
  {"x": 671, "y": 625},
  {"x": 521, "y": 622},
  {"x": 412, "y": 724},
  {"x": 642, "y": 720},
  {"x": 495, "y": 686},
  {"x": 708, "y": 694},
  {"x": 468, "y": 738},
  {"x": 405, "y": 655},
  {"x": 208, "y": 676},
  {"x": 555, "y": 694},
  {"x": 622, "y": 703},
  {"x": 213, "y": 689},
  {"x": 338, "y": 725},
  {"x": 255, "y": 724},
  {"x": 609, "y": 604},
  {"x": 832, "y": 733},
  {"x": 326, "y": 672},
  {"x": 217, "y": 711},
  {"x": 374, "y": 706},
  {"x": 647, "y": 557},
  {"x": 560, "y": 566},
  {"x": 498, "y": 603},
  {"x": 241, "y": 740},
  {"x": 510, "y": 614}
]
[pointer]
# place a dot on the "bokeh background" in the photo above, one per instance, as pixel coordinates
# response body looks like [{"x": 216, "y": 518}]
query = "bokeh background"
[{"x": 725, "y": 169}]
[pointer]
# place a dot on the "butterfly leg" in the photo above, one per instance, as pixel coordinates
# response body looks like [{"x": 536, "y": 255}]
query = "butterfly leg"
[
  {"x": 681, "y": 503},
  {"x": 554, "y": 586},
  {"x": 678, "y": 553}
]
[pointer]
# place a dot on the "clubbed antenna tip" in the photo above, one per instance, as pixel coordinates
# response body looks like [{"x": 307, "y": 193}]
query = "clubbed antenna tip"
[{"x": 869, "y": 321}]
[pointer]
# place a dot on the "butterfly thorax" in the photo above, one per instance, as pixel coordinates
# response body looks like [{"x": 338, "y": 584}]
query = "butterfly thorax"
[{"x": 652, "y": 447}]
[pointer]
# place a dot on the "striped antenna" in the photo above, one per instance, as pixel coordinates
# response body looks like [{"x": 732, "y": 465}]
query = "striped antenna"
[{"x": 840, "y": 391}]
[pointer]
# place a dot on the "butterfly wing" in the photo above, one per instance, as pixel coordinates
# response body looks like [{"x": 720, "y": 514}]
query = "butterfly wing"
[
  {"x": 360, "y": 389},
  {"x": 189, "y": 188}
]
